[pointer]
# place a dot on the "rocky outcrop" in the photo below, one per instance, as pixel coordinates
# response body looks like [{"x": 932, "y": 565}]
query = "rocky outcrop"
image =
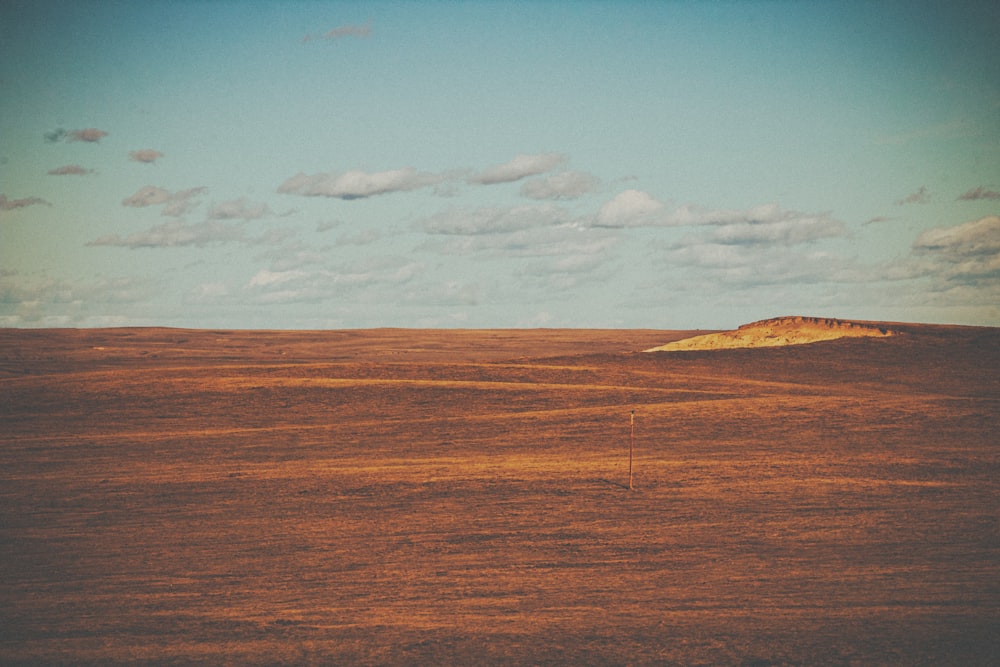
[{"x": 795, "y": 330}]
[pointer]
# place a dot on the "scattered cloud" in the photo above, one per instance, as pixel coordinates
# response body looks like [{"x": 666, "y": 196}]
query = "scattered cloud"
[
  {"x": 238, "y": 209},
  {"x": 146, "y": 155},
  {"x": 520, "y": 167},
  {"x": 12, "y": 204},
  {"x": 921, "y": 196},
  {"x": 90, "y": 135},
  {"x": 342, "y": 31},
  {"x": 564, "y": 185},
  {"x": 70, "y": 170},
  {"x": 175, "y": 204},
  {"x": 631, "y": 208},
  {"x": 979, "y": 193},
  {"x": 358, "y": 184},
  {"x": 176, "y": 233}
]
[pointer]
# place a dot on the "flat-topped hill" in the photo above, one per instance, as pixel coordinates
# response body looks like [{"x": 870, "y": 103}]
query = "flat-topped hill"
[{"x": 794, "y": 330}]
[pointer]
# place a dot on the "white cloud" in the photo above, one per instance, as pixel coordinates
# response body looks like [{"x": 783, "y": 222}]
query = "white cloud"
[
  {"x": 358, "y": 184},
  {"x": 564, "y": 185},
  {"x": 520, "y": 167},
  {"x": 631, "y": 208}
]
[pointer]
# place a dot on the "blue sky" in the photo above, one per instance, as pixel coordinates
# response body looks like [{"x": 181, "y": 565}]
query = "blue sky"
[{"x": 497, "y": 164}]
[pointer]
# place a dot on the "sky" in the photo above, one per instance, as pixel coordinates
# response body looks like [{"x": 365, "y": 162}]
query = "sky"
[{"x": 330, "y": 165}]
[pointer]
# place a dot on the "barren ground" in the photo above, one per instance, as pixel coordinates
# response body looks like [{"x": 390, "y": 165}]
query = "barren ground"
[{"x": 458, "y": 497}]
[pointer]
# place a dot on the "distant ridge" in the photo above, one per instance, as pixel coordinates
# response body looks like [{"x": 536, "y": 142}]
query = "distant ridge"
[{"x": 791, "y": 330}]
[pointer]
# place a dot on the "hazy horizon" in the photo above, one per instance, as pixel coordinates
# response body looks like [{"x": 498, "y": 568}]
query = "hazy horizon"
[{"x": 334, "y": 165}]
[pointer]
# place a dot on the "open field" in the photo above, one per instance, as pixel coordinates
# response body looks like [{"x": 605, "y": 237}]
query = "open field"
[{"x": 459, "y": 497}]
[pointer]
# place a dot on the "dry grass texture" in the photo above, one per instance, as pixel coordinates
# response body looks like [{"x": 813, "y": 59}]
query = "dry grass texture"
[{"x": 458, "y": 497}]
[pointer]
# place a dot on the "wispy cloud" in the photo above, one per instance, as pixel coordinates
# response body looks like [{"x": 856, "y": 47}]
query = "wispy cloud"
[
  {"x": 979, "y": 193},
  {"x": 176, "y": 233},
  {"x": 319, "y": 285},
  {"x": 238, "y": 209},
  {"x": 342, "y": 31},
  {"x": 564, "y": 185},
  {"x": 358, "y": 184},
  {"x": 763, "y": 224},
  {"x": 55, "y": 136},
  {"x": 361, "y": 238},
  {"x": 520, "y": 167},
  {"x": 70, "y": 170},
  {"x": 175, "y": 204},
  {"x": 921, "y": 196},
  {"x": 13, "y": 204},
  {"x": 146, "y": 155},
  {"x": 786, "y": 228},
  {"x": 479, "y": 221}
]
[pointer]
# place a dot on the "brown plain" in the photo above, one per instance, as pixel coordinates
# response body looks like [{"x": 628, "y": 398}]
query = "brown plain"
[{"x": 460, "y": 497}]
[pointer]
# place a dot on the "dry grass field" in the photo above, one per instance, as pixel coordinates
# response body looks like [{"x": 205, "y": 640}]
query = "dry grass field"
[{"x": 460, "y": 497}]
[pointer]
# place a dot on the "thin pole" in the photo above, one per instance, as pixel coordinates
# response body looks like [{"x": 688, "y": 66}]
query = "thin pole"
[{"x": 631, "y": 446}]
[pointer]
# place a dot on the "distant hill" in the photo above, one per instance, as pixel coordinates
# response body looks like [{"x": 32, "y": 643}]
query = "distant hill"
[{"x": 794, "y": 330}]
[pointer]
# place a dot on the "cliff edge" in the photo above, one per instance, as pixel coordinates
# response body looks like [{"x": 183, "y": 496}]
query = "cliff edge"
[{"x": 794, "y": 330}]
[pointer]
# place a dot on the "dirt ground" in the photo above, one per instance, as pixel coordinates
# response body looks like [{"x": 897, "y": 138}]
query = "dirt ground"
[{"x": 460, "y": 497}]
